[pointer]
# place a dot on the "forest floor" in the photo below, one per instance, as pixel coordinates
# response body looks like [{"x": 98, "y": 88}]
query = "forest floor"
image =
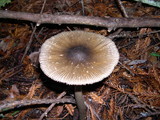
[{"x": 131, "y": 92}]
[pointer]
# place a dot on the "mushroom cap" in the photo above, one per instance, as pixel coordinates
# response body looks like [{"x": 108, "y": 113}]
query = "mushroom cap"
[{"x": 78, "y": 57}]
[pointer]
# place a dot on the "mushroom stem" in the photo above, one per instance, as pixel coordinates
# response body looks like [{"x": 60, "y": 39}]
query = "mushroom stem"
[{"x": 80, "y": 102}]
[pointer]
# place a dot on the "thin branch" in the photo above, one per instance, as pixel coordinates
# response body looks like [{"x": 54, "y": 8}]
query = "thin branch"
[
  {"x": 126, "y": 68},
  {"x": 17, "y": 104},
  {"x": 122, "y": 8},
  {"x": 51, "y": 106},
  {"x": 10, "y": 70},
  {"x": 135, "y": 36},
  {"x": 29, "y": 43},
  {"x": 82, "y": 3},
  {"x": 145, "y": 115},
  {"x": 124, "y": 14},
  {"x": 93, "y": 110},
  {"x": 85, "y": 20},
  {"x": 34, "y": 30}
]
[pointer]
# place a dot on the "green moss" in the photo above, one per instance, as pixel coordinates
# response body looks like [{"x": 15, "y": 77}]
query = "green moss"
[
  {"x": 150, "y": 2},
  {"x": 4, "y": 2}
]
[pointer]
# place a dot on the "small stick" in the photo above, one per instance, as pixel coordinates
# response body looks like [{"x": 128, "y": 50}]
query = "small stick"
[
  {"x": 34, "y": 30},
  {"x": 51, "y": 106},
  {"x": 126, "y": 68},
  {"x": 80, "y": 102},
  {"x": 82, "y": 20},
  {"x": 122, "y": 8},
  {"x": 124, "y": 14},
  {"x": 82, "y": 2},
  {"x": 21, "y": 103},
  {"x": 29, "y": 43}
]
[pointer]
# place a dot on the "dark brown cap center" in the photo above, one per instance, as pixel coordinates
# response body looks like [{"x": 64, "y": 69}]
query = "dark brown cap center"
[{"x": 78, "y": 54}]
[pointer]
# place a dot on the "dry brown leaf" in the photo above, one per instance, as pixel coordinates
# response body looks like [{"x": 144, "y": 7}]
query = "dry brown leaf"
[
  {"x": 140, "y": 71},
  {"x": 112, "y": 109},
  {"x": 144, "y": 30},
  {"x": 32, "y": 90},
  {"x": 22, "y": 114},
  {"x": 125, "y": 74},
  {"x": 148, "y": 118},
  {"x": 70, "y": 108},
  {"x": 6, "y": 44},
  {"x": 151, "y": 100},
  {"x": 29, "y": 70},
  {"x": 14, "y": 91},
  {"x": 106, "y": 93},
  {"x": 145, "y": 90},
  {"x": 156, "y": 75},
  {"x": 59, "y": 110},
  {"x": 9, "y": 74},
  {"x": 20, "y": 32},
  {"x": 96, "y": 98},
  {"x": 100, "y": 9},
  {"x": 93, "y": 117},
  {"x": 139, "y": 88},
  {"x": 121, "y": 114},
  {"x": 2, "y": 70},
  {"x": 141, "y": 46},
  {"x": 104, "y": 114},
  {"x": 153, "y": 83}
]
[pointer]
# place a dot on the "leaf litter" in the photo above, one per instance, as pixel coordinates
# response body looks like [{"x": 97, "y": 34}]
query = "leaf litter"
[{"x": 132, "y": 91}]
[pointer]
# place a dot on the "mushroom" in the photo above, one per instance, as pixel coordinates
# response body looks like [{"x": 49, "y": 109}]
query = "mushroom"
[{"x": 78, "y": 58}]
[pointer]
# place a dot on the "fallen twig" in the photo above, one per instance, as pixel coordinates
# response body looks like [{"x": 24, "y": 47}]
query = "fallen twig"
[
  {"x": 34, "y": 30},
  {"x": 51, "y": 106},
  {"x": 21, "y": 103},
  {"x": 85, "y": 20}
]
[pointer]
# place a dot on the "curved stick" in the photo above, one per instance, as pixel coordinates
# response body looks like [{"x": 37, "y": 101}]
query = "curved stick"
[
  {"x": 83, "y": 20},
  {"x": 80, "y": 102}
]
